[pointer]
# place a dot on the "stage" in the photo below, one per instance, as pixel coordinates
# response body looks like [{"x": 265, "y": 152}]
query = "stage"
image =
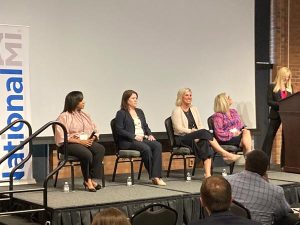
[{"x": 78, "y": 207}]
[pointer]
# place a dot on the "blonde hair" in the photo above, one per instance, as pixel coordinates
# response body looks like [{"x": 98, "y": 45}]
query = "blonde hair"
[
  {"x": 180, "y": 94},
  {"x": 221, "y": 103},
  {"x": 282, "y": 72}
]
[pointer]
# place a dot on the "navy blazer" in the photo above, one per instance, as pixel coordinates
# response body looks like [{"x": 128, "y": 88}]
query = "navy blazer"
[
  {"x": 273, "y": 101},
  {"x": 125, "y": 127},
  {"x": 224, "y": 218}
]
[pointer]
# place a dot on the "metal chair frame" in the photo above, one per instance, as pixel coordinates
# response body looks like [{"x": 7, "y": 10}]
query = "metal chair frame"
[
  {"x": 230, "y": 148},
  {"x": 125, "y": 156},
  {"x": 179, "y": 152}
]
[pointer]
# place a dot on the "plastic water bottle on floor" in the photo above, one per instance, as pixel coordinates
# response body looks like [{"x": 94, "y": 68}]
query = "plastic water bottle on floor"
[
  {"x": 188, "y": 176},
  {"x": 224, "y": 173},
  {"x": 66, "y": 187},
  {"x": 129, "y": 181}
]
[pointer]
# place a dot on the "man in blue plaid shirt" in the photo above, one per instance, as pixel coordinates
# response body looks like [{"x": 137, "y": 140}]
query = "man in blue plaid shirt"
[{"x": 251, "y": 188}]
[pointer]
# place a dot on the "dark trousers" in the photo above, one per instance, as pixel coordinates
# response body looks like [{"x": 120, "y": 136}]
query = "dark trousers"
[
  {"x": 151, "y": 156},
  {"x": 274, "y": 124},
  {"x": 90, "y": 158},
  {"x": 201, "y": 148}
]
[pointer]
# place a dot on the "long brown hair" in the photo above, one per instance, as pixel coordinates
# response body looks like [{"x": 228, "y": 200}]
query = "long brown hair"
[
  {"x": 126, "y": 95},
  {"x": 110, "y": 216}
]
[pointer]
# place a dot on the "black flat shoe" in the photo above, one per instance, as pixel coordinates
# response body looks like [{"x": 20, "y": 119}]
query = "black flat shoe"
[{"x": 88, "y": 189}]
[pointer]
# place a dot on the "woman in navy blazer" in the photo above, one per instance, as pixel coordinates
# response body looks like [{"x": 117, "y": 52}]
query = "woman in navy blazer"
[
  {"x": 278, "y": 90},
  {"x": 133, "y": 133}
]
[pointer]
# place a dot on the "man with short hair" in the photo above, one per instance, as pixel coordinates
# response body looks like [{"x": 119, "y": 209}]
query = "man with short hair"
[
  {"x": 265, "y": 201},
  {"x": 215, "y": 197}
]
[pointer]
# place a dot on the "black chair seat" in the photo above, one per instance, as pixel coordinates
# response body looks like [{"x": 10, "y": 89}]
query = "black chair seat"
[
  {"x": 125, "y": 155},
  {"x": 230, "y": 148},
  {"x": 72, "y": 161},
  {"x": 129, "y": 153},
  {"x": 155, "y": 214},
  {"x": 182, "y": 151},
  {"x": 236, "y": 208}
]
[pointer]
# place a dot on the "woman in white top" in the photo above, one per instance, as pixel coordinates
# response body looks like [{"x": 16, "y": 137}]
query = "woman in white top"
[
  {"x": 189, "y": 131},
  {"x": 133, "y": 133}
]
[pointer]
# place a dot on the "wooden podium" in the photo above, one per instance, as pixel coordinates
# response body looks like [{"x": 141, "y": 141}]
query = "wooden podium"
[{"x": 289, "y": 110}]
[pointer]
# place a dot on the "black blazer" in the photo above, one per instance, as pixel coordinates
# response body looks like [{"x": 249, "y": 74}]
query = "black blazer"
[
  {"x": 273, "y": 101},
  {"x": 224, "y": 218},
  {"x": 125, "y": 127}
]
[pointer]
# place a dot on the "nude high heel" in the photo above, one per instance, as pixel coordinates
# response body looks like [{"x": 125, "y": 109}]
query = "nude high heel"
[{"x": 232, "y": 158}]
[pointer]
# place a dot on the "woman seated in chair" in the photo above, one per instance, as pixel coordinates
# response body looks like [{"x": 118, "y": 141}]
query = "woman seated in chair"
[
  {"x": 133, "y": 133},
  {"x": 228, "y": 126},
  {"x": 81, "y": 141},
  {"x": 189, "y": 131}
]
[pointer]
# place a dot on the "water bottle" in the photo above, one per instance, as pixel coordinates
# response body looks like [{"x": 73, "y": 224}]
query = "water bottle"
[
  {"x": 188, "y": 176},
  {"x": 129, "y": 181},
  {"x": 224, "y": 173},
  {"x": 66, "y": 187}
]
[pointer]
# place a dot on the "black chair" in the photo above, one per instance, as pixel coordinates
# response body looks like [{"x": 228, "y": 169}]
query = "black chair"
[
  {"x": 125, "y": 155},
  {"x": 72, "y": 161},
  {"x": 179, "y": 152},
  {"x": 155, "y": 214},
  {"x": 236, "y": 208},
  {"x": 230, "y": 148}
]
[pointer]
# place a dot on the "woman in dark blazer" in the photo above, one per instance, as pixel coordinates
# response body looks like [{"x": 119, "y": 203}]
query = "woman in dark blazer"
[
  {"x": 134, "y": 133},
  {"x": 278, "y": 90}
]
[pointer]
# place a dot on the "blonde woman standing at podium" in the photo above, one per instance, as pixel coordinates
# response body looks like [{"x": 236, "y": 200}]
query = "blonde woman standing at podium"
[{"x": 278, "y": 90}]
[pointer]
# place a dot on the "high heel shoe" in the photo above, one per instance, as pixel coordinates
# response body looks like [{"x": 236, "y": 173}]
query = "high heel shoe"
[
  {"x": 158, "y": 181},
  {"x": 98, "y": 187},
  {"x": 232, "y": 159},
  {"x": 89, "y": 189}
]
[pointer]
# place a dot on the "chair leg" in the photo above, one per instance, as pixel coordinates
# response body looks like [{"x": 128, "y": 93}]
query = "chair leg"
[
  {"x": 231, "y": 167},
  {"x": 103, "y": 175},
  {"x": 115, "y": 169},
  {"x": 72, "y": 177},
  {"x": 184, "y": 166},
  {"x": 56, "y": 176},
  {"x": 140, "y": 170},
  {"x": 131, "y": 171},
  {"x": 212, "y": 163},
  {"x": 194, "y": 166},
  {"x": 170, "y": 162}
]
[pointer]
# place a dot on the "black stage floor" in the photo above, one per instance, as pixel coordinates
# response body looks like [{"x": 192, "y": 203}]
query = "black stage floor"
[{"x": 79, "y": 206}]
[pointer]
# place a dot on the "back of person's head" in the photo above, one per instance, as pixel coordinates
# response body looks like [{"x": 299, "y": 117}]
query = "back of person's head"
[
  {"x": 110, "y": 216},
  {"x": 257, "y": 161},
  {"x": 126, "y": 95},
  {"x": 215, "y": 194},
  {"x": 71, "y": 101},
  {"x": 180, "y": 94},
  {"x": 221, "y": 104}
]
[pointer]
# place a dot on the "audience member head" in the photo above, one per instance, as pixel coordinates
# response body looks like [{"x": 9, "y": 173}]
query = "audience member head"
[
  {"x": 180, "y": 95},
  {"x": 222, "y": 103},
  {"x": 215, "y": 194},
  {"x": 72, "y": 100},
  {"x": 283, "y": 78},
  {"x": 257, "y": 162},
  {"x": 110, "y": 216},
  {"x": 126, "y": 95}
]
